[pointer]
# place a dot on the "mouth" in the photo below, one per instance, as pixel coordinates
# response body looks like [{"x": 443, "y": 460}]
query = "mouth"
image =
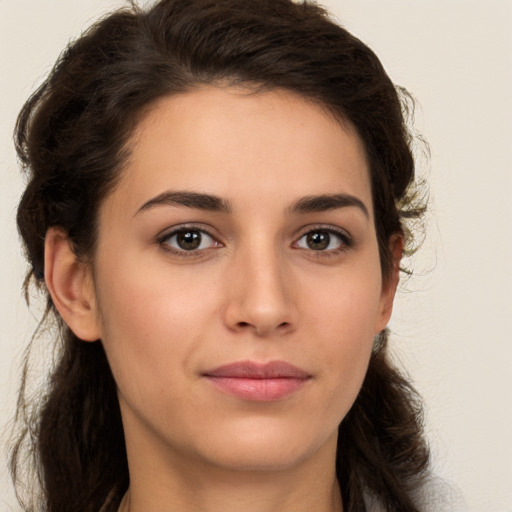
[{"x": 258, "y": 382}]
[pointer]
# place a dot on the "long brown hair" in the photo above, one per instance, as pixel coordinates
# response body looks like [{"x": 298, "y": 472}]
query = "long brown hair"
[{"x": 71, "y": 139}]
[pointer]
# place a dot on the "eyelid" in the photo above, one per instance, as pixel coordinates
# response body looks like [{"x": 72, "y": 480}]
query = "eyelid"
[
  {"x": 344, "y": 235},
  {"x": 174, "y": 230},
  {"x": 346, "y": 238}
]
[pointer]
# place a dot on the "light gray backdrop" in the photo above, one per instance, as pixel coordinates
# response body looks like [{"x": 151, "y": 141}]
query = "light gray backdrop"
[{"x": 451, "y": 322}]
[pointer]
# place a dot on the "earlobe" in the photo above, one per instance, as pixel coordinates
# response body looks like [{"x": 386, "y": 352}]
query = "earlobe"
[
  {"x": 396, "y": 248},
  {"x": 70, "y": 285}
]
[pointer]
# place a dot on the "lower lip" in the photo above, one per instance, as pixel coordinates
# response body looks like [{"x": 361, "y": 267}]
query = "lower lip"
[{"x": 258, "y": 390}]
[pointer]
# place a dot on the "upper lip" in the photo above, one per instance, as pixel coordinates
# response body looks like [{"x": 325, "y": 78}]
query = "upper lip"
[{"x": 253, "y": 370}]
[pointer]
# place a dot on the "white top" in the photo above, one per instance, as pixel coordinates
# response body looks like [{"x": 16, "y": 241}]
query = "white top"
[{"x": 436, "y": 495}]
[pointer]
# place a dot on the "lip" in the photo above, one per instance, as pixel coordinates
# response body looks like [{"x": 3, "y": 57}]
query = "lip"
[{"x": 258, "y": 382}]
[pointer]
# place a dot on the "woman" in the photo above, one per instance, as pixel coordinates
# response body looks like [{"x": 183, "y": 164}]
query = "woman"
[{"x": 216, "y": 212}]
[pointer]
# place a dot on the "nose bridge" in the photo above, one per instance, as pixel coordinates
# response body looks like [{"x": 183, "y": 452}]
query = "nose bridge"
[{"x": 260, "y": 297}]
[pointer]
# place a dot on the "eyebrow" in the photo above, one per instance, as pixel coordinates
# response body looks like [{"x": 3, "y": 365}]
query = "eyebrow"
[
  {"x": 195, "y": 200},
  {"x": 325, "y": 202},
  {"x": 212, "y": 203}
]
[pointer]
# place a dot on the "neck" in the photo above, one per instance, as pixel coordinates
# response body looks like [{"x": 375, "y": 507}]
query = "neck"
[
  {"x": 165, "y": 482},
  {"x": 257, "y": 497}
]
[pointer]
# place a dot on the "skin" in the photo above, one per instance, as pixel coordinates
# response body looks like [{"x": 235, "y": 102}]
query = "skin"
[{"x": 254, "y": 290}]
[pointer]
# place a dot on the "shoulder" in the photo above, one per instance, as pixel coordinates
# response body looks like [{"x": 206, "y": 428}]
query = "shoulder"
[
  {"x": 434, "y": 495},
  {"x": 439, "y": 495}
]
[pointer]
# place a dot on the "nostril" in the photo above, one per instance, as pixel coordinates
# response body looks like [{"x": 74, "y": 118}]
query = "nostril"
[{"x": 246, "y": 325}]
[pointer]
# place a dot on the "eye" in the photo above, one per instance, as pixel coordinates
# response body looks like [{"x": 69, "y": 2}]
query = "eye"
[
  {"x": 188, "y": 240},
  {"x": 323, "y": 240}
]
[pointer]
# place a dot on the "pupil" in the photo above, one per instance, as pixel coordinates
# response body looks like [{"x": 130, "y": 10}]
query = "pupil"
[
  {"x": 189, "y": 240},
  {"x": 318, "y": 240}
]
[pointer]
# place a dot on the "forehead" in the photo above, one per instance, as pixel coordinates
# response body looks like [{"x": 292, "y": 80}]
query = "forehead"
[{"x": 241, "y": 145}]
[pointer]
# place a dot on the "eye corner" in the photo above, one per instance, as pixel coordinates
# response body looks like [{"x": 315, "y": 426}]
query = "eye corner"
[
  {"x": 323, "y": 241},
  {"x": 188, "y": 241}
]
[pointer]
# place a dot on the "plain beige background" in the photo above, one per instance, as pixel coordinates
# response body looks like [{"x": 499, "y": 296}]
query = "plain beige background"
[{"x": 452, "y": 320}]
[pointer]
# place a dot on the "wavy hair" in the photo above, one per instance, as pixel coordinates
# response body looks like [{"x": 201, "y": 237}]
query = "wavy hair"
[{"x": 71, "y": 137}]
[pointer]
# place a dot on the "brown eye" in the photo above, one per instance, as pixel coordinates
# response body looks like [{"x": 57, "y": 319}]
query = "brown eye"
[
  {"x": 323, "y": 240},
  {"x": 188, "y": 239},
  {"x": 318, "y": 240}
]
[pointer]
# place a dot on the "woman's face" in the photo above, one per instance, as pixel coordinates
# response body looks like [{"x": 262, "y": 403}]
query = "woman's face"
[{"x": 237, "y": 279}]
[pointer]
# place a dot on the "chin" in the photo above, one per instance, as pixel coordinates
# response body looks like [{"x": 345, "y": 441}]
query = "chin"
[
  {"x": 264, "y": 459},
  {"x": 265, "y": 448}
]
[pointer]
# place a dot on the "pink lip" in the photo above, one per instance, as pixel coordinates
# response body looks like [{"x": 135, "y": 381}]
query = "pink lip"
[{"x": 258, "y": 382}]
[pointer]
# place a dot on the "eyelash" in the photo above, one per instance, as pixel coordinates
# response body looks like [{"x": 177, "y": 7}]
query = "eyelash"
[
  {"x": 345, "y": 240},
  {"x": 163, "y": 240}
]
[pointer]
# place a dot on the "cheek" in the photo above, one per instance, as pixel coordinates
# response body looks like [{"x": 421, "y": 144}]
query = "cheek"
[
  {"x": 342, "y": 322},
  {"x": 345, "y": 305},
  {"x": 151, "y": 325}
]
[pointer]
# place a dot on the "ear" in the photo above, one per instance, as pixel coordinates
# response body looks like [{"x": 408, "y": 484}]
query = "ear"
[
  {"x": 396, "y": 248},
  {"x": 70, "y": 284}
]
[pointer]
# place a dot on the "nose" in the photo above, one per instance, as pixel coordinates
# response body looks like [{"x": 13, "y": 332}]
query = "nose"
[{"x": 260, "y": 298}]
